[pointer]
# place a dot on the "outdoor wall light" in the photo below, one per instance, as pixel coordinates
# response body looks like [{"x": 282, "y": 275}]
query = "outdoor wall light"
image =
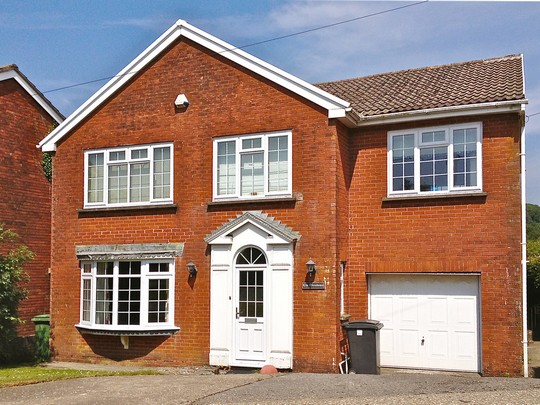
[
  {"x": 192, "y": 269},
  {"x": 310, "y": 264}
]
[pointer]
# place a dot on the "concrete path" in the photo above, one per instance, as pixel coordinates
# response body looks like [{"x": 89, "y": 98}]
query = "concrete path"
[{"x": 286, "y": 388}]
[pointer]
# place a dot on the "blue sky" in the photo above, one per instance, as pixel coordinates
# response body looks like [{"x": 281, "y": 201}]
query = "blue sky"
[{"x": 59, "y": 43}]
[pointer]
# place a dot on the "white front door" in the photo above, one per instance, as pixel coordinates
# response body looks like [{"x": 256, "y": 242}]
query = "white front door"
[
  {"x": 430, "y": 321},
  {"x": 249, "y": 309}
]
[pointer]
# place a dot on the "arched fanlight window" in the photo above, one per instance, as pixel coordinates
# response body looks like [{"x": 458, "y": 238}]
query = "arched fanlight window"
[{"x": 251, "y": 255}]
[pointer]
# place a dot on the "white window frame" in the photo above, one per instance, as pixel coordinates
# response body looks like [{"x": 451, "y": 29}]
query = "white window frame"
[
  {"x": 145, "y": 277},
  {"x": 418, "y": 144},
  {"x": 238, "y": 153},
  {"x": 128, "y": 160}
]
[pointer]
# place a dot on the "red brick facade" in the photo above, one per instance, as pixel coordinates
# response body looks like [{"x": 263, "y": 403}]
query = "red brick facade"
[
  {"x": 25, "y": 193},
  {"x": 339, "y": 184}
]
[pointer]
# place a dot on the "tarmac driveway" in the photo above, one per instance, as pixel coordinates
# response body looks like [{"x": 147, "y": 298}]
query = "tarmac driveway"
[{"x": 287, "y": 388}]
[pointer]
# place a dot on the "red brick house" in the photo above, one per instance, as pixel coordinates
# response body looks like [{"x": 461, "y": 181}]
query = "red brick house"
[
  {"x": 194, "y": 192},
  {"x": 25, "y": 194}
]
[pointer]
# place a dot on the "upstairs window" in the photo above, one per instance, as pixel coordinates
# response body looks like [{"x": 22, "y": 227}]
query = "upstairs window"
[
  {"x": 252, "y": 166},
  {"x": 435, "y": 160},
  {"x": 136, "y": 175}
]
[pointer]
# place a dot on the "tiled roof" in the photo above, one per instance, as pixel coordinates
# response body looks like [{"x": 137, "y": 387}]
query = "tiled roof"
[
  {"x": 480, "y": 81},
  {"x": 258, "y": 218}
]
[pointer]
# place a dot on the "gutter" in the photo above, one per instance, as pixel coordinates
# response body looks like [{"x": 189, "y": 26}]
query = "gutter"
[{"x": 443, "y": 112}]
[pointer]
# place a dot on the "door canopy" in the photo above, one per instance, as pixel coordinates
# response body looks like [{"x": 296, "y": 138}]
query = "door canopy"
[{"x": 277, "y": 232}]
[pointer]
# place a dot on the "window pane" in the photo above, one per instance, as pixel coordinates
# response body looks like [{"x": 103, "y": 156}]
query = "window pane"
[
  {"x": 104, "y": 300},
  {"x": 251, "y": 143},
  {"x": 158, "y": 303},
  {"x": 158, "y": 267},
  {"x": 139, "y": 154},
  {"x": 162, "y": 172},
  {"x": 86, "y": 299},
  {"x": 118, "y": 183},
  {"x": 403, "y": 159},
  {"x": 278, "y": 167},
  {"x": 434, "y": 169},
  {"x": 465, "y": 157},
  {"x": 251, "y": 175},
  {"x": 105, "y": 268},
  {"x": 129, "y": 303},
  {"x": 117, "y": 155},
  {"x": 140, "y": 182},
  {"x": 226, "y": 168},
  {"x": 95, "y": 177}
]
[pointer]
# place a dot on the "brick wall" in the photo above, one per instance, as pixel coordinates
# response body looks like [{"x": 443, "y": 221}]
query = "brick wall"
[
  {"x": 224, "y": 100},
  {"x": 476, "y": 234},
  {"x": 24, "y": 192}
]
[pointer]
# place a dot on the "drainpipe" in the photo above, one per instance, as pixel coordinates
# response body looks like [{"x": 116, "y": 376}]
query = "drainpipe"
[{"x": 524, "y": 255}]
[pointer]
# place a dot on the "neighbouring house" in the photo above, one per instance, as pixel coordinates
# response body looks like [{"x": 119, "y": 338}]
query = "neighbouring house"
[
  {"x": 209, "y": 207},
  {"x": 26, "y": 116}
]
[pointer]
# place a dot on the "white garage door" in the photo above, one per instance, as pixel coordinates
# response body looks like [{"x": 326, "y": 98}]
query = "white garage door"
[{"x": 429, "y": 321}]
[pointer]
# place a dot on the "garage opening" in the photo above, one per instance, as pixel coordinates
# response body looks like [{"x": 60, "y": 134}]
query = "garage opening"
[{"x": 430, "y": 321}]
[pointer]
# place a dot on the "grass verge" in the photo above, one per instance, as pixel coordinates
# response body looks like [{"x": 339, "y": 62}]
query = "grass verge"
[{"x": 12, "y": 376}]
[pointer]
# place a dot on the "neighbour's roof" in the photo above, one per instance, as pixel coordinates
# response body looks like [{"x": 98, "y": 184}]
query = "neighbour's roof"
[
  {"x": 12, "y": 72},
  {"x": 457, "y": 84}
]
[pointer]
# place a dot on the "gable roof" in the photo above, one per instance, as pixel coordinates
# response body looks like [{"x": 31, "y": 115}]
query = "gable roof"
[
  {"x": 336, "y": 107},
  {"x": 12, "y": 72},
  {"x": 263, "y": 221},
  {"x": 476, "y": 83}
]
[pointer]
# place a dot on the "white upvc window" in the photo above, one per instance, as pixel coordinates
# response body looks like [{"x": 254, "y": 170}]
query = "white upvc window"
[
  {"x": 127, "y": 295},
  {"x": 253, "y": 166},
  {"x": 135, "y": 175},
  {"x": 437, "y": 160}
]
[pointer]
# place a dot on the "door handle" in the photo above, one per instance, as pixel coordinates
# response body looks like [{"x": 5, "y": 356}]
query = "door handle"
[
  {"x": 237, "y": 313},
  {"x": 422, "y": 342}
]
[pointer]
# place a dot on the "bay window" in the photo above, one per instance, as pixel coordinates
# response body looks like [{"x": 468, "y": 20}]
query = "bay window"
[
  {"x": 435, "y": 160},
  {"x": 127, "y": 295},
  {"x": 135, "y": 175},
  {"x": 253, "y": 166}
]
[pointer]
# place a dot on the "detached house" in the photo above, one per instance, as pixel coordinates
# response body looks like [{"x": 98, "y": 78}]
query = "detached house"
[
  {"x": 26, "y": 116},
  {"x": 210, "y": 208}
]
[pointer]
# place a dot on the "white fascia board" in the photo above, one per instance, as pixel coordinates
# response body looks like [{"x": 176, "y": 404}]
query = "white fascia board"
[
  {"x": 182, "y": 28},
  {"x": 445, "y": 112},
  {"x": 12, "y": 74}
]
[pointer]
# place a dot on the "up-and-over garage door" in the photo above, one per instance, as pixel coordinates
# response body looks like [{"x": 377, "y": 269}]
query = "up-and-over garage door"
[{"x": 430, "y": 321}]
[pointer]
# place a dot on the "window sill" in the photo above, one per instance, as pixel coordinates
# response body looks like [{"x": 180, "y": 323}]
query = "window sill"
[
  {"x": 263, "y": 200},
  {"x": 161, "y": 331},
  {"x": 128, "y": 208},
  {"x": 473, "y": 194}
]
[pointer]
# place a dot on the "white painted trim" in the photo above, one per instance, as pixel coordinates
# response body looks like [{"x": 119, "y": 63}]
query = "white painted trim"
[
  {"x": 129, "y": 161},
  {"x": 145, "y": 276},
  {"x": 444, "y": 112},
  {"x": 239, "y": 152},
  {"x": 45, "y": 104},
  {"x": 334, "y": 105},
  {"x": 449, "y": 131}
]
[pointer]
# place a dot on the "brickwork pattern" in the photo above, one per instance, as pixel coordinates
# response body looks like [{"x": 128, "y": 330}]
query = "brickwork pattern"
[
  {"x": 462, "y": 235},
  {"x": 224, "y": 100},
  {"x": 25, "y": 193},
  {"x": 339, "y": 181}
]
